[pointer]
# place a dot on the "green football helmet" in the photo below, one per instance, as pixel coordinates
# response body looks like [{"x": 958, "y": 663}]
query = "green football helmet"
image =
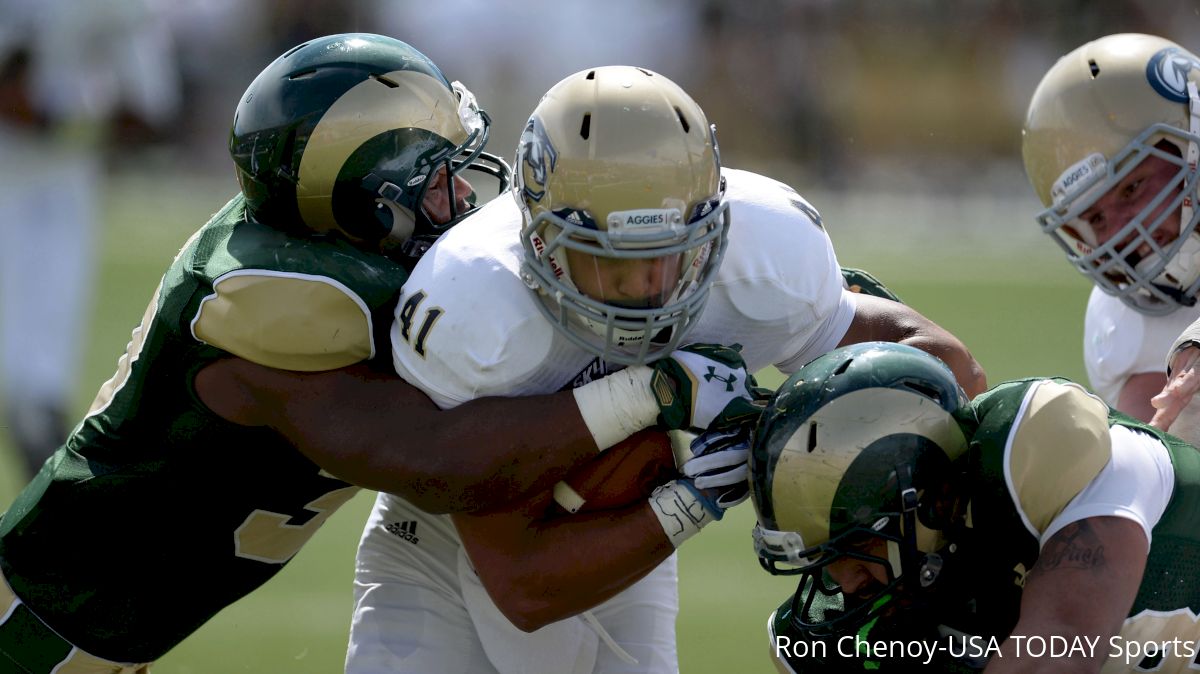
[
  {"x": 344, "y": 134},
  {"x": 860, "y": 444},
  {"x": 619, "y": 167},
  {"x": 1099, "y": 113}
]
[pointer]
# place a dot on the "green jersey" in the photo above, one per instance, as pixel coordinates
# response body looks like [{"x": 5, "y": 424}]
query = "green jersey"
[
  {"x": 157, "y": 513},
  {"x": 1039, "y": 444},
  {"x": 1034, "y": 445}
]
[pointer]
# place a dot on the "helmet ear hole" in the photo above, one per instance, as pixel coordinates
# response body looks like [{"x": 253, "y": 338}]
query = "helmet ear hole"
[{"x": 682, "y": 120}]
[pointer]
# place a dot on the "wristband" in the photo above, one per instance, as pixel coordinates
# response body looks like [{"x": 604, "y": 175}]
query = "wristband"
[
  {"x": 679, "y": 511},
  {"x": 617, "y": 406},
  {"x": 568, "y": 498},
  {"x": 1189, "y": 337}
]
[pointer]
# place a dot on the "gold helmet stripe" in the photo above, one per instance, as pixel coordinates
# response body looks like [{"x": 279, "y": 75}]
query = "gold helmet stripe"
[
  {"x": 1058, "y": 445},
  {"x": 399, "y": 99},
  {"x": 816, "y": 457}
]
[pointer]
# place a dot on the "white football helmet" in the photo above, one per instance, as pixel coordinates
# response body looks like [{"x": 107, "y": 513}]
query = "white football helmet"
[
  {"x": 619, "y": 166},
  {"x": 1099, "y": 113}
]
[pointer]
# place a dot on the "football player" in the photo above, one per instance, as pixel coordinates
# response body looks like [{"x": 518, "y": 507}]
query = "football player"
[
  {"x": 1032, "y": 528},
  {"x": 1110, "y": 146},
  {"x": 258, "y": 389},
  {"x": 75, "y": 79},
  {"x": 625, "y": 237}
]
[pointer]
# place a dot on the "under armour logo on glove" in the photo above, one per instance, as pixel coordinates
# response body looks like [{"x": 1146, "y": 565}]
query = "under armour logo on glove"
[
  {"x": 689, "y": 390},
  {"x": 712, "y": 374}
]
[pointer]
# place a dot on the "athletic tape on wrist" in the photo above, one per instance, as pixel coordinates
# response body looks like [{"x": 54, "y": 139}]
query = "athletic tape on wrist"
[
  {"x": 617, "y": 406},
  {"x": 679, "y": 511},
  {"x": 1190, "y": 336},
  {"x": 568, "y": 498}
]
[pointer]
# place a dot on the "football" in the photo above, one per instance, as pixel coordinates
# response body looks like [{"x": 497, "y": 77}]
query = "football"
[{"x": 623, "y": 474}]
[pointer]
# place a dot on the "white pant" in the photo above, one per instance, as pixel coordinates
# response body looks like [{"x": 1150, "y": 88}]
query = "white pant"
[
  {"x": 49, "y": 214},
  {"x": 420, "y": 609}
]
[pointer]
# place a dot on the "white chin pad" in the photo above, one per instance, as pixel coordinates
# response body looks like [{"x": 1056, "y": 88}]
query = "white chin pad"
[
  {"x": 1189, "y": 336},
  {"x": 1184, "y": 266}
]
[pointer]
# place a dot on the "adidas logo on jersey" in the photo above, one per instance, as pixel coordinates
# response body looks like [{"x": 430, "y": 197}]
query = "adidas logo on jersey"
[{"x": 406, "y": 530}]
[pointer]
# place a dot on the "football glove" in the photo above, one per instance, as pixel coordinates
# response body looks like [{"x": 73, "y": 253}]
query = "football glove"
[
  {"x": 714, "y": 479},
  {"x": 696, "y": 383},
  {"x": 718, "y": 472}
]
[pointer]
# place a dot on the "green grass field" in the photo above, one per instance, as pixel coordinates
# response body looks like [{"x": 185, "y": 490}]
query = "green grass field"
[{"x": 1020, "y": 309}]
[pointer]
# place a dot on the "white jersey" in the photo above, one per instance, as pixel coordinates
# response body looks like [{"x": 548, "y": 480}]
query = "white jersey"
[
  {"x": 468, "y": 327},
  {"x": 1119, "y": 342},
  {"x": 778, "y": 293}
]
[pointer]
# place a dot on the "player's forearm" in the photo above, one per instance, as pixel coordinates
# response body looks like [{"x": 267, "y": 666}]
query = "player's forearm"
[
  {"x": 377, "y": 431},
  {"x": 955, "y": 355},
  {"x": 879, "y": 319},
  {"x": 477, "y": 456},
  {"x": 564, "y": 566},
  {"x": 1080, "y": 589},
  {"x": 500, "y": 449}
]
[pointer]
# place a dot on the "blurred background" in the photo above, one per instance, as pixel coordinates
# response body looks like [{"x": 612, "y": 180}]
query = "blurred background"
[{"x": 900, "y": 121}]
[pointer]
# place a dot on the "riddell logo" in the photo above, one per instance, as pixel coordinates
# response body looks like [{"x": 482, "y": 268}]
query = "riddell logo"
[{"x": 406, "y": 530}]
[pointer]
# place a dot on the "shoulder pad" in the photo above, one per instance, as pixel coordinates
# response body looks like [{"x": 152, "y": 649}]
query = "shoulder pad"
[
  {"x": 1058, "y": 444},
  {"x": 285, "y": 320}
]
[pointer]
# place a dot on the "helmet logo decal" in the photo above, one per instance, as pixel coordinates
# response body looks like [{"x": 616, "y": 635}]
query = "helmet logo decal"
[
  {"x": 1079, "y": 173},
  {"x": 576, "y": 217},
  {"x": 539, "y": 247},
  {"x": 657, "y": 221},
  {"x": 1167, "y": 71},
  {"x": 539, "y": 156}
]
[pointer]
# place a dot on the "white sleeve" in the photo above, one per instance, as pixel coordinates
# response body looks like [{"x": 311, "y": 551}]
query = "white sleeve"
[
  {"x": 827, "y": 336},
  {"x": 462, "y": 358},
  {"x": 466, "y": 326},
  {"x": 1136, "y": 484},
  {"x": 779, "y": 289},
  {"x": 1119, "y": 342}
]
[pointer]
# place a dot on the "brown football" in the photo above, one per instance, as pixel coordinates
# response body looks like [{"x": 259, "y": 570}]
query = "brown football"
[{"x": 626, "y": 472}]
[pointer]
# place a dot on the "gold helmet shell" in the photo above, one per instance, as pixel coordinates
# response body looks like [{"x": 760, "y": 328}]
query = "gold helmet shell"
[
  {"x": 619, "y": 163},
  {"x": 1096, "y": 115}
]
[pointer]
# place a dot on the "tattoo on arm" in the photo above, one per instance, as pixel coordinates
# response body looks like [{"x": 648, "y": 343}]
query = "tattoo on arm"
[{"x": 1076, "y": 546}]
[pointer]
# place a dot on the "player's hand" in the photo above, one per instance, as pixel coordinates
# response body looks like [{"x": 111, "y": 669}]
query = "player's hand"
[
  {"x": 1180, "y": 389},
  {"x": 696, "y": 383},
  {"x": 718, "y": 472}
]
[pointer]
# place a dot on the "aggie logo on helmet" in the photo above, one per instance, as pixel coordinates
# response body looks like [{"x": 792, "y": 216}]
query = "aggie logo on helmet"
[
  {"x": 1168, "y": 72},
  {"x": 538, "y": 158}
]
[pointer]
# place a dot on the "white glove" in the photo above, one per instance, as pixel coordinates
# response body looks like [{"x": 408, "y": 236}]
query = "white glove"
[{"x": 696, "y": 383}]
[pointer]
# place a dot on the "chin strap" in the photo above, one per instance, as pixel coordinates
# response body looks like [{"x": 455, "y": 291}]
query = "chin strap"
[
  {"x": 1181, "y": 268},
  {"x": 909, "y": 500},
  {"x": 1193, "y": 150}
]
